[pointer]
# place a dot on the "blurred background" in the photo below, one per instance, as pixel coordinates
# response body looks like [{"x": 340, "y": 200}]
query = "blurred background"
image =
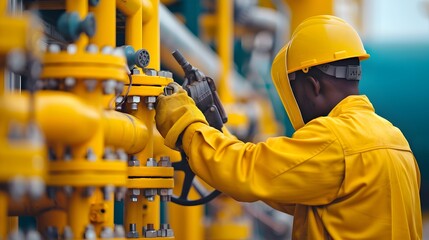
[{"x": 232, "y": 41}]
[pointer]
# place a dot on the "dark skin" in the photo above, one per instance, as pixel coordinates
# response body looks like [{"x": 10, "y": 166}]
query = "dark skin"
[{"x": 317, "y": 93}]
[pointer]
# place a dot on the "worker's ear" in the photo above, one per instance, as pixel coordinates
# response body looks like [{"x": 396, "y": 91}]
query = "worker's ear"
[{"x": 315, "y": 84}]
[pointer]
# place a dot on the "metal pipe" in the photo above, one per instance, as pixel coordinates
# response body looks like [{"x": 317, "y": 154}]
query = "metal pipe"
[
  {"x": 105, "y": 18},
  {"x": 151, "y": 36},
  {"x": 130, "y": 7},
  {"x": 124, "y": 131},
  {"x": 58, "y": 114},
  {"x": 224, "y": 40},
  {"x": 3, "y": 214},
  {"x": 174, "y": 35},
  {"x": 80, "y": 7}
]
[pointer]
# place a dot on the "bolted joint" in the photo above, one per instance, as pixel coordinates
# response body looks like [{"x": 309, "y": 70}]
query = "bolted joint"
[
  {"x": 134, "y": 101},
  {"x": 90, "y": 84},
  {"x": 107, "y": 232},
  {"x": 109, "y": 86},
  {"x": 165, "y": 231},
  {"x": 119, "y": 231},
  {"x": 149, "y": 231},
  {"x": 122, "y": 155},
  {"x": 164, "y": 161},
  {"x": 133, "y": 162},
  {"x": 150, "y": 72},
  {"x": 134, "y": 193},
  {"x": 150, "y": 193},
  {"x": 67, "y": 233},
  {"x": 89, "y": 232},
  {"x": 69, "y": 83},
  {"x": 132, "y": 233},
  {"x": 150, "y": 102},
  {"x": 151, "y": 162},
  {"x": 108, "y": 190},
  {"x": 109, "y": 154},
  {"x": 165, "y": 194},
  {"x": 90, "y": 155}
]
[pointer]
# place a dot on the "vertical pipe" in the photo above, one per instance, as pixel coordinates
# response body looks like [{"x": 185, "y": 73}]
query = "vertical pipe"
[
  {"x": 54, "y": 217},
  {"x": 151, "y": 212},
  {"x": 80, "y": 7},
  {"x": 302, "y": 9},
  {"x": 105, "y": 18},
  {"x": 133, "y": 30},
  {"x": 3, "y": 214},
  {"x": 2, "y": 80},
  {"x": 133, "y": 212},
  {"x": 3, "y": 7},
  {"x": 225, "y": 34},
  {"x": 78, "y": 212},
  {"x": 13, "y": 223},
  {"x": 151, "y": 37}
]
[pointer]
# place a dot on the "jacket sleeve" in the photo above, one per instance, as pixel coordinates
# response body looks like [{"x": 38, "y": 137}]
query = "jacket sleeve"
[{"x": 305, "y": 169}]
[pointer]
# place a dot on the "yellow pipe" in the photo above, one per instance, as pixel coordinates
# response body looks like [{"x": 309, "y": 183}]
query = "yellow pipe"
[
  {"x": 130, "y": 7},
  {"x": 52, "y": 217},
  {"x": 3, "y": 213},
  {"x": 302, "y": 9},
  {"x": 58, "y": 114},
  {"x": 80, "y": 7},
  {"x": 133, "y": 212},
  {"x": 13, "y": 223},
  {"x": 151, "y": 37},
  {"x": 225, "y": 36},
  {"x": 124, "y": 131},
  {"x": 2, "y": 80},
  {"x": 105, "y": 17},
  {"x": 78, "y": 212},
  {"x": 133, "y": 29},
  {"x": 3, "y": 7}
]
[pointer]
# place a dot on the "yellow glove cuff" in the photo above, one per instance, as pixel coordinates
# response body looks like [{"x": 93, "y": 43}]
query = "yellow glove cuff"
[{"x": 174, "y": 113}]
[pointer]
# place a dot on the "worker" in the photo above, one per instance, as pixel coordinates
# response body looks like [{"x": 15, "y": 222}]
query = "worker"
[{"x": 346, "y": 172}]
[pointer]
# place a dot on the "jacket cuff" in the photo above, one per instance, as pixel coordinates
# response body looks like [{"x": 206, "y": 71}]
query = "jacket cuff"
[{"x": 189, "y": 133}]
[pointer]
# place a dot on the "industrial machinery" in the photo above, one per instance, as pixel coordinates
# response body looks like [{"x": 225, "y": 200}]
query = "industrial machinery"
[{"x": 80, "y": 157}]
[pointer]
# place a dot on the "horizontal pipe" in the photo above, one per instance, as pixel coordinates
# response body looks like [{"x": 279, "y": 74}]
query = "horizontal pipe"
[
  {"x": 62, "y": 117},
  {"x": 124, "y": 131}
]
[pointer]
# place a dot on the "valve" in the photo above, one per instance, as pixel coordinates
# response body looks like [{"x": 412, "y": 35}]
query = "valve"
[
  {"x": 70, "y": 26},
  {"x": 140, "y": 57}
]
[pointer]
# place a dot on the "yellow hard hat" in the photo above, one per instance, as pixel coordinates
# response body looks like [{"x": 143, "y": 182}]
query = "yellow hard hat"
[{"x": 317, "y": 40}]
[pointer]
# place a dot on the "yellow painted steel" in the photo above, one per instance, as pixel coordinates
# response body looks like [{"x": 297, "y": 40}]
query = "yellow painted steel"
[
  {"x": 224, "y": 38},
  {"x": 3, "y": 214},
  {"x": 90, "y": 173},
  {"x": 58, "y": 115},
  {"x": 151, "y": 36},
  {"x": 228, "y": 221},
  {"x": 105, "y": 18},
  {"x": 84, "y": 65},
  {"x": 124, "y": 131},
  {"x": 78, "y": 211},
  {"x": 302, "y": 9},
  {"x": 51, "y": 217},
  {"x": 81, "y": 8},
  {"x": 13, "y": 224},
  {"x": 165, "y": 172},
  {"x": 150, "y": 183},
  {"x": 186, "y": 221}
]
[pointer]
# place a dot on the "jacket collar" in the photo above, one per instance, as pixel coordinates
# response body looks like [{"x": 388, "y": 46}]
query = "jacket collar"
[{"x": 351, "y": 103}]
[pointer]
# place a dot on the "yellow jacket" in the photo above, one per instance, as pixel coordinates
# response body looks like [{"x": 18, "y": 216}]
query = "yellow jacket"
[{"x": 350, "y": 175}]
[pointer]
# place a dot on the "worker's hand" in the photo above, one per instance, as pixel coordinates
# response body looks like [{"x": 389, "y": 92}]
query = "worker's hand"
[{"x": 174, "y": 113}]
